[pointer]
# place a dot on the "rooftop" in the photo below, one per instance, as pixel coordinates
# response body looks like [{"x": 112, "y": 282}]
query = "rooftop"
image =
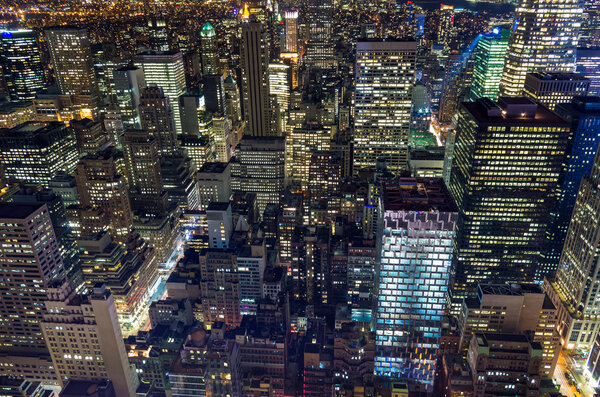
[
  {"x": 218, "y": 206},
  {"x": 9, "y": 107},
  {"x": 512, "y": 110},
  {"x": 18, "y": 210},
  {"x": 417, "y": 194},
  {"x": 510, "y": 289},
  {"x": 213, "y": 167},
  {"x": 558, "y": 76}
]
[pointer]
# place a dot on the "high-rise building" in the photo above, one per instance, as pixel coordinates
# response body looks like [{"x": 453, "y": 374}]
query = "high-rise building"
[
  {"x": 106, "y": 59},
  {"x": 20, "y": 63},
  {"x": 505, "y": 176},
  {"x": 259, "y": 167},
  {"x": 166, "y": 70},
  {"x": 89, "y": 135},
  {"x": 179, "y": 180},
  {"x": 209, "y": 49},
  {"x": 142, "y": 167},
  {"x": 319, "y": 48},
  {"x": 14, "y": 113},
  {"x": 214, "y": 183},
  {"x": 553, "y": 88},
  {"x": 291, "y": 32},
  {"x": 129, "y": 82},
  {"x": 458, "y": 73},
  {"x": 419, "y": 227},
  {"x": 84, "y": 338},
  {"x": 156, "y": 117},
  {"x": 130, "y": 272},
  {"x": 489, "y": 57},
  {"x": 220, "y": 287},
  {"x": 207, "y": 365},
  {"x": 194, "y": 117},
  {"x": 590, "y": 26},
  {"x": 544, "y": 38},
  {"x": 583, "y": 113},
  {"x": 445, "y": 24},
  {"x": 255, "y": 79},
  {"x": 214, "y": 93},
  {"x": 232, "y": 95},
  {"x": 515, "y": 309},
  {"x": 72, "y": 60},
  {"x": 222, "y": 138},
  {"x": 251, "y": 268},
  {"x": 102, "y": 186},
  {"x": 279, "y": 84},
  {"x": 219, "y": 223},
  {"x": 500, "y": 362},
  {"x": 588, "y": 65},
  {"x": 304, "y": 142},
  {"x": 385, "y": 73},
  {"x": 30, "y": 254},
  {"x": 35, "y": 152},
  {"x": 577, "y": 268}
]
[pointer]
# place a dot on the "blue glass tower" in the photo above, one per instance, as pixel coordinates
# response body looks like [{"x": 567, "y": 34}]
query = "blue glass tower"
[{"x": 584, "y": 115}]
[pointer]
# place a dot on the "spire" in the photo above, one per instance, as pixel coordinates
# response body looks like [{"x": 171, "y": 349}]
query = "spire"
[
  {"x": 246, "y": 13},
  {"x": 207, "y": 30}
]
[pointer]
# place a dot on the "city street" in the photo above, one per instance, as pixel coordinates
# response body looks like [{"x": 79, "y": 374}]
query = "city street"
[{"x": 567, "y": 363}]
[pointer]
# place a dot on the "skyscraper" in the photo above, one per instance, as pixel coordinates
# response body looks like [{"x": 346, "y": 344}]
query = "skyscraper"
[
  {"x": 209, "y": 51},
  {"x": 102, "y": 187},
  {"x": 291, "y": 31},
  {"x": 583, "y": 114},
  {"x": 30, "y": 254},
  {"x": 90, "y": 321},
  {"x": 156, "y": 116},
  {"x": 232, "y": 93},
  {"x": 142, "y": 166},
  {"x": 129, "y": 271},
  {"x": 488, "y": 64},
  {"x": 165, "y": 69},
  {"x": 319, "y": 48},
  {"x": 259, "y": 167},
  {"x": 419, "y": 227},
  {"x": 214, "y": 93},
  {"x": 445, "y": 24},
  {"x": 553, "y": 88},
  {"x": 89, "y": 136},
  {"x": 279, "y": 84},
  {"x": 505, "y": 177},
  {"x": 129, "y": 81},
  {"x": 590, "y": 26},
  {"x": 220, "y": 287},
  {"x": 544, "y": 38},
  {"x": 385, "y": 73},
  {"x": 304, "y": 142},
  {"x": 35, "y": 152},
  {"x": 255, "y": 79},
  {"x": 20, "y": 63},
  {"x": 588, "y": 65},
  {"x": 72, "y": 60},
  {"x": 577, "y": 275}
]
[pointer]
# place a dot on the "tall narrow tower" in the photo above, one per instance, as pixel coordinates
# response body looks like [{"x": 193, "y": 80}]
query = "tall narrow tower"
[
  {"x": 165, "y": 69},
  {"x": 30, "y": 262},
  {"x": 544, "y": 38},
  {"x": 385, "y": 73},
  {"x": 208, "y": 45},
  {"x": 21, "y": 64},
  {"x": 255, "y": 79},
  {"x": 72, "y": 60}
]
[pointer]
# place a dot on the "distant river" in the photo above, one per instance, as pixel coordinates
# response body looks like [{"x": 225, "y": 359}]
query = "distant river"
[{"x": 472, "y": 5}]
